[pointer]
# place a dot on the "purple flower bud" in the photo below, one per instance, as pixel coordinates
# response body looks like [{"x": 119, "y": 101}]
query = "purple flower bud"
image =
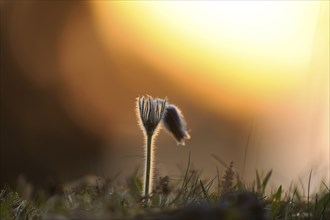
[{"x": 174, "y": 123}]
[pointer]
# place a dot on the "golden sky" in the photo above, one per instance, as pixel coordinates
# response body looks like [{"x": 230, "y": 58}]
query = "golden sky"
[
  {"x": 240, "y": 53},
  {"x": 269, "y": 58},
  {"x": 219, "y": 61}
]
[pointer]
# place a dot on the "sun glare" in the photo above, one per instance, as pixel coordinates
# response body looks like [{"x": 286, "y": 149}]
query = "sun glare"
[
  {"x": 248, "y": 49},
  {"x": 280, "y": 28}
]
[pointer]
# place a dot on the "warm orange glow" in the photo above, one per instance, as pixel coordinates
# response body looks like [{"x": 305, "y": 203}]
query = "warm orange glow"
[
  {"x": 237, "y": 69},
  {"x": 239, "y": 53}
]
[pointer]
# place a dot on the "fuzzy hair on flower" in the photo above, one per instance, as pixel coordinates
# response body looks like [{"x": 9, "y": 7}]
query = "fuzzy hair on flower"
[
  {"x": 174, "y": 123},
  {"x": 150, "y": 113}
]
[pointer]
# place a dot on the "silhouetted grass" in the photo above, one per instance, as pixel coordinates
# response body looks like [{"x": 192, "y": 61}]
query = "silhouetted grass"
[{"x": 222, "y": 197}]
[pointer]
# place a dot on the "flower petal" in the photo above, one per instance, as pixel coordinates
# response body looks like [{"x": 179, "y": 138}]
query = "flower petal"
[{"x": 150, "y": 112}]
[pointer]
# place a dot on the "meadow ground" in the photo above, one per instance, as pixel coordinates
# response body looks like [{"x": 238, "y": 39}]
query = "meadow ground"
[{"x": 222, "y": 197}]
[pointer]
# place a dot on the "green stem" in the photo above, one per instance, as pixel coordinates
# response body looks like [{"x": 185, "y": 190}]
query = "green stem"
[{"x": 147, "y": 184}]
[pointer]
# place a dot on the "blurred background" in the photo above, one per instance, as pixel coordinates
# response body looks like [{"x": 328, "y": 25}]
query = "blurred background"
[{"x": 252, "y": 79}]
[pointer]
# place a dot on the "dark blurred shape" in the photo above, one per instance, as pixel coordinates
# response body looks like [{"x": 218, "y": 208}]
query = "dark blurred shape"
[
  {"x": 233, "y": 206},
  {"x": 38, "y": 138},
  {"x": 163, "y": 185}
]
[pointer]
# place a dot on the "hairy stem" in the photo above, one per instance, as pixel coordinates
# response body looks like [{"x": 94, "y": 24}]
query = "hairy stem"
[{"x": 148, "y": 167}]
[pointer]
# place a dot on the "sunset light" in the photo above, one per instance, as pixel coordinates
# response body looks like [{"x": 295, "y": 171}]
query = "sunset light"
[
  {"x": 171, "y": 109},
  {"x": 251, "y": 50}
]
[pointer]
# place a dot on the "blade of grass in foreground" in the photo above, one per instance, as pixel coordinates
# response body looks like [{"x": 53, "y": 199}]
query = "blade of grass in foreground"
[
  {"x": 220, "y": 160},
  {"x": 183, "y": 182}
]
